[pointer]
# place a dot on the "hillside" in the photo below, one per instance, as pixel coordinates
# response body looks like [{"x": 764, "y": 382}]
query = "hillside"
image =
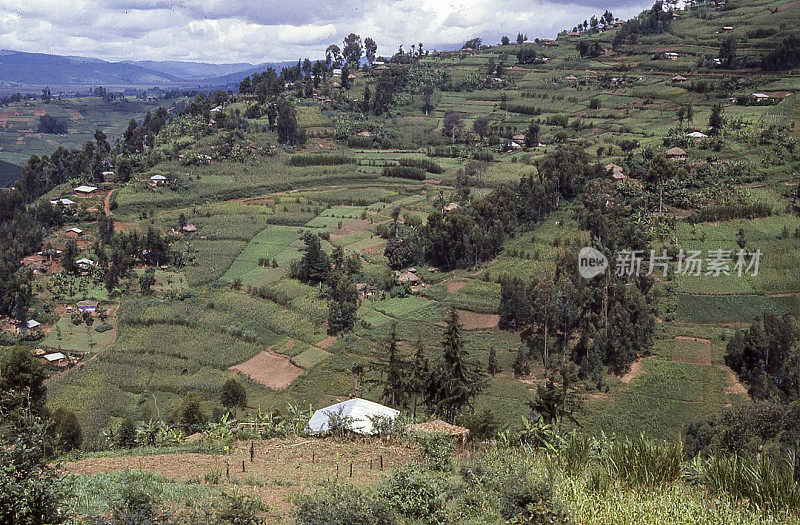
[{"x": 445, "y": 194}]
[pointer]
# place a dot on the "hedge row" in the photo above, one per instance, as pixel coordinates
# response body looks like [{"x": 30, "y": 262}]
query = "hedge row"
[
  {"x": 319, "y": 159},
  {"x": 404, "y": 172},
  {"x": 423, "y": 164}
]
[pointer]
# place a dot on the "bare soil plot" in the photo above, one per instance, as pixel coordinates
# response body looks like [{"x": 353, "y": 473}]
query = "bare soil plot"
[
  {"x": 272, "y": 370},
  {"x": 327, "y": 342},
  {"x": 286, "y": 466},
  {"x": 476, "y": 321},
  {"x": 694, "y": 350},
  {"x": 454, "y": 286},
  {"x": 351, "y": 227}
]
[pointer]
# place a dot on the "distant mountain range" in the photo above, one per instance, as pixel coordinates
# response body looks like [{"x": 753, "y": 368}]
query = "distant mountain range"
[{"x": 37, "y": 69}]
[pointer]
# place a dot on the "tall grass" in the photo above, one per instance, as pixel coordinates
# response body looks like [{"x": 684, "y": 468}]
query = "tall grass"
[
  {"x": 641, "y": 462},
  {"x": 761, "y": 479}
]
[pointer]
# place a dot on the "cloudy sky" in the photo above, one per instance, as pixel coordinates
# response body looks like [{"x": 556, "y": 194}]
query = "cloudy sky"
[{"x": 223, "y": 31}]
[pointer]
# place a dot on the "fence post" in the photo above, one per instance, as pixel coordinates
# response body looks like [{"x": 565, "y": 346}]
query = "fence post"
[
  {"x": 381, "y": 461},
  {"x": 252, "y": 452}
]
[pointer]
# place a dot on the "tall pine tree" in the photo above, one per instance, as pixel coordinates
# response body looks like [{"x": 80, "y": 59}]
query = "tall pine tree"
[{"x": 454, "y": 383}]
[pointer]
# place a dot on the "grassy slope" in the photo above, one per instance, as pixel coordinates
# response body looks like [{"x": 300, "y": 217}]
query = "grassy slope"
[{"x": 168, "y": 345}]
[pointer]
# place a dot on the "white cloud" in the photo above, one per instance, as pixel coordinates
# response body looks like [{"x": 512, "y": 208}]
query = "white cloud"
[{"x": 234, "y": 31}]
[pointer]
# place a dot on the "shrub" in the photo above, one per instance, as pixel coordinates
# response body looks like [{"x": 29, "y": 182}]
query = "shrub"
[
  {"x": 417, "y": 494},
  {"x": 240, "y": 509},
  {"x": 233, "y": 394},
  {"x": 436, "y": 450},
  {"x": 404, "y": 172},
  {"x": 508, "y": 486},
  {"x": 343, "y": 505},
  {"x": 423, "y": 164}
]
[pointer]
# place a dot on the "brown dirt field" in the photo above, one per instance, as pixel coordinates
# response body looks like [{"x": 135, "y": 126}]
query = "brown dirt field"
[
  {"x": 285, "y": 466},
  {"x": 350, "y": 227},
  {"x": 454, "y": 286},
  {"x": 636, "y": 370},
  {"x": 125, "y": 227},
  {"x": 322, "y": 143},
  {"x": 476, "y": 321},
  {"x": 694, "y": 350},
  {"x": 432, "y": 181},
  {"x": 326, "y": 343},
  {"x": 272, "y": 370},
  {"x": 74, "y": 114}
]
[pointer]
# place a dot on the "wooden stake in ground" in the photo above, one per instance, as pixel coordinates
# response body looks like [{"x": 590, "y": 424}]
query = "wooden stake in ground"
[{"x": 252, "y": 452}]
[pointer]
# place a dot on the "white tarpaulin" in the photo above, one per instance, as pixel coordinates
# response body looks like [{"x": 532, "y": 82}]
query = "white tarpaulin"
[{"x": 359, "y": 411}]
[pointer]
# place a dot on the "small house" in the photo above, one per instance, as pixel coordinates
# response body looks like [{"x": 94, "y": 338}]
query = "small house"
[
  {"x": 32, "y": 324},
  {"x": 571, "y": 78},
  {"x": 87, "y": 305},
  {"x": 62, "y": 201},
  {"x": 337, "y": 72},
  {"x": 669, "y": 55},
  {"x": 158, "y": 180},
  {"x": 727, "y": 28},
  {"x": 760, "y": 97},
  {"x": 513, "y": 145},
  {"x": 49, "y": 253},
  {"x": 519, "y": 137},
  {"x": 56, "y": 358},
  {"x": 189, "y": 228},
  {"x": 697, "y": 135},
  {"x": 675, "y": 153},
  {"x": 85, "y": 190},
  {"x": 450, "y": 207},
  {"x": 85, "y": 264},
  {"x": 364, "y": 133},
  {"x": 217, "y": 109},
  {"x": 74, "y": 232},
  {"x": 615, "y": 171},
  {"x": 407, "y": 277},
  {"x": 109, "y": 176},
  {"x": 678, "y": 78}
]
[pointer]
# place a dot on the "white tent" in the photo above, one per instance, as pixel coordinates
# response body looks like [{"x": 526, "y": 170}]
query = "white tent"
[{"x": 358, "y": 410}]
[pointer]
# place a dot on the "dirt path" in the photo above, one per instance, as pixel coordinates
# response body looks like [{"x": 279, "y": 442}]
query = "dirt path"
[
  {"x": 107, "y": 203},
  {"x": 636, "y": 370}
]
